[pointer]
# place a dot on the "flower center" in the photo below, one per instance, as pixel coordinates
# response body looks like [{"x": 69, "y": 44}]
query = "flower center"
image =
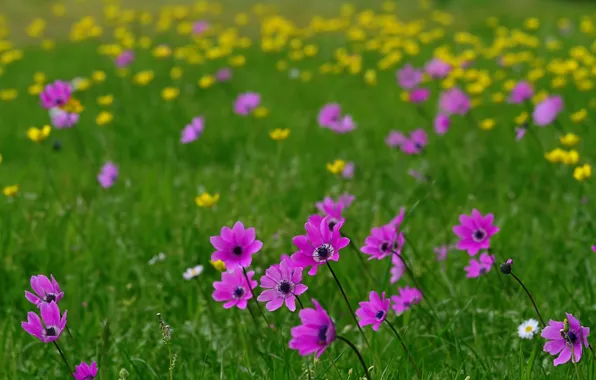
[
  {"x": 529, "y": 328},
  {"x": 237, "y": 250},
  {"x": 380, "y": 314},
  {"x": 51, "y": 331},
  {"x": 50, "y": 298},
  {"x": 571, "y": 337},
  {"x": 384, "y": 246},
  {"x": 89, "y": 377},
  {"x": 323, "y": 335},
  {"x": 322, "y": 253},
  {"x": 407, "y": 304},
  {"x": 238, "y": 292},
  {"x": 332, "y": 224},
  {"x": 479, "y": 235},
  {"x": 285, "y": 287}
]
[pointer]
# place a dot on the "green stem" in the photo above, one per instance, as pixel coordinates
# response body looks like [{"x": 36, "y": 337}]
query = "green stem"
[{"x": 357, "y": 354}]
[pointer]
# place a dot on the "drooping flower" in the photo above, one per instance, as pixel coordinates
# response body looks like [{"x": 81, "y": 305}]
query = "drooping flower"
[
  {"x": 46, "y": 290},
  {"x": 193, "y": 272},
  {"x": 419, "y": 95},
  {"x": 454, "y": 102},
  {"x": 528, "y": 329},
  {"x": 55, "y": 94},
  {"x": 522, "y": 92},
  {"x": 398, "y": 269},
  {"x": 193, "y": 131},
  {"x": 319, "y": 245},
  {"x": 283, "y": 283},
  {"x": 437, "y": 68},
  {"x": 85, "y": 371},
  {"x": 125, "y": 58},
  {"x": 52, "y": 326},
  {"x": 233, "y": 289},
  {"x": 406, "y": 298},
  {"x": 374, "y": 311},
  {"x": 246, "y": 103},
  {"x": 566, "y": 339},
  {"x": 475, "y": 232},
  {"x": 483, "y": 265},
  {"x": 546, "y": 112},
  {"x": 382, "y": 242},
  {"x": 235, "y": 246},
  {"x": 441, "y": 124},
  {"x": 316, "y": 332},
  {"x": 409, "y": 77},
  {"x": 62, "y": 119},
  {"x": 108, "y": 175},
  {"x": 329, "y": 115}
]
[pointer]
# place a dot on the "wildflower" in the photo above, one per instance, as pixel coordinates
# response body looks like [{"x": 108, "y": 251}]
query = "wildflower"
[
  {"x": 45, "y": 290},
  {"x": 319, "y": 245},
  {"x": 169, "y": 93},
  {"x": 162, "y": 51},
  {"x": 223, "y": 74},
  {"x": 206, "y": 81},
  {"x": 487, "y": 124},
  {"x": 528, "y": 329},
  {"x": 107, "y": 175},
  {"x": 556, "y": 155},
  {"x": 206, "y": 199},
  {"x": 581, "y": 173},
  {"x": 246, "y": 103},
  {"x": 506, "y": 267},
  {"x": 35, "y": 89},
  {"x": 333, "y": 209},
  {"x": 409, "y": 77},
  {"x": 436, "y": 68},
  {"x": 52, "y": 326},
  {"x": 63, "y": 119},
  {"x": 344, "y": 125},
  {"x": 336, "y": 167},
  {"x": 157, "y": 258},
  {"x": 454, "y": 101},
  {"x": 279, "y": 134},
  {"x": 477, "y": 268},
  {"x": 193, "y": 272},
  {"x": 569, "y": 139},
  {"x": 441, "y": 124},
  {"x": 85, "y": 371},
  {"x": 10, "y": 191},
  {"x": 55, "y": 94},
  {"x": 176, "y": 72},
  {"x": 80, "y": 84},
  {"x": 348, "y": 171},
  {"x": 547, "y": 111},
  {"x": 370, "y": 77},
  {"x": 234, "y": 289},
  {"x": 374, "y": 311},
  {"x": 413, "y": 145},
  {"x": 566, "y": 339},
  {"x": 125, "y": 58},
  {"x": 382, "y": 242},
  {"x": 441, "y": 252},
  {"x": 579, "y": 116},
  {"x": 98, "y": 76},
  {"x": 475, "y": 232},
  {"x": 522, "y": 118},
  {"x": 571, "y": 157},
  {"x": 316, "y": 332},
  {"x": 398, "y": 269},
  {"x": 105, "y": 100},
  {"x": 193, "y": 131},
  {"x": 406, "y": 298},
  {"x": 522, "y": 92},
  {"x": 283, "y": 284},
  {"x": 39, "y": 135},
  {"x": 143, "y": 78},
  {"x": 235, "y": 246},
  {"x": 418, "y": 95},
  {"x": 103, "y": 118},
  {"x": 72, "y": 106},
  {"x": 219, "y": 265},
  {"x": 329, "y": 115},
  {"x": 199, "y": 27},
  {"x": 8, "y": 94}
]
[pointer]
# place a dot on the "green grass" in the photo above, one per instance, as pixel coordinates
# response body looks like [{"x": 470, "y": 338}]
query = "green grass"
[{"x": 97, "y": 243}]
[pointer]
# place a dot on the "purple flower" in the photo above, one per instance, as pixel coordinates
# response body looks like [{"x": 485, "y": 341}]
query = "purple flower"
[
  {"x": 568, "y": 344},
  {"x": 55, "y": 94},
  {"x": 413, "y": 145},
  {"x": 108, "y": 175},
  {"x": 475, "y": 232},
  {"x": 442, "y": 124},
  {"x": 333, "y": 209},
  {"x": 454, "y": 102},
  {"x": 85, "y": 371},
  {"x": 199, "y": 27},
  {"x": 62, "y": 119},
  {"x": 407, "y": 296},
  {"x": 283, "y": 284},
  {"x": 319, "y": 245},
  {"x": 46, "y": 291},
  {"x": 125, "y": 58},
  {"x": 329, "y": 115},
  {"x": 399, "y": 218},
  {"x": 193, "y": 131},
  {"x": 477, "y": 268},
  {"x": 223, "y": 74},
  {"x": 395, "y": 139},
  {"x": 594, "y": 248},
  {"x": 409, "y": 77},
  {"x": 547, "y": 111},
  {"x": 441, "y": 252},
  {"x": 374, "y": 311},
  {"x": 520, "y": 132},
  {"x": 316, "y": 332},
  {"x": 437, "y": 68},
  {"x": 398, "y": 269},
  {"x": 344, "y": 125},
  {"x": 235, "y": 246},
  {"x": 382, "y": 242},
  {"x": 521, "y": 92},
  {"x": 233, "y": 289},
  {"x": 52, "y": 326},
  {"x": 419, "y": 95},
  {"x": 246, "y": 102},
  {"x": 348, "y": 172}
]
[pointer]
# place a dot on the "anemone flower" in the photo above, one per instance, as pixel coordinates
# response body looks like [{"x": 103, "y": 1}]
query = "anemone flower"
[
  {"x": 483, "y": 265},
  {"x": 108, "y": 175},
  {"x": 398, "y": 269},
  {"x": 441, "y": 124},
  {"x": 475, "y": 232},
  {"x": 547, "y": 111},
  {"x": 406, "y": 298},
  {"x": 62, "y": 119},
  {"x": 52, "y": 326},
  {"x": 283, "y": 282},
  {"x": 418, "y": 95},
  {"x": 235, "y": 246},
  {"x": 565, "y": 339},
  {"x": 437, "y": 68},
  {"x": 382, "y": 242},
  {"x": 316, "y": 332},
  {"x": 454, "y": 102},
  {"x": 124, "y": 59},
  {"x": 344, "y": 125},
  {"x": 85, "y": 371},
  {"x": 329, "y": 115},
  {"x": 374, "y": 311},
  {"x": 234, "y": 289},
  {"x": 409, "y": 77},
  {"x": 193, "y": 131},
  {"x": 522, "y": 92},
  {"x": 46, "y": 290},
  {"x": 246, "y": 103},
  {"x": 55, "y": 94},
  {"x": 414, "y": 144}
]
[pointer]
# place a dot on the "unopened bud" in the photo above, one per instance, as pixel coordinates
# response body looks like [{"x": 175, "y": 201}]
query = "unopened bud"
[{"x": 506, "y": 267}]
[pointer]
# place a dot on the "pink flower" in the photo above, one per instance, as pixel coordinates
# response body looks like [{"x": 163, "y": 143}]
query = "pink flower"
[
  {"x": 442, "y": 124},
  {"x": 235, "y": 246},
  {"x": 344, "y": 125},
  {"x": 398, "y": 269},
  {"x": 329, "y": 115},
  {"x": 475, "y": 232},
  {"x": 55, "y": 94},
  {"x": 46, "y": 291},
  {"x": 437, "y": 68},
  {"x": 477, "y": 268},
  {"x": 441, "y": 252},
  {"x": 319, "y": 245},
  {"x": 382, "y": 242},
  {"x": 316, "y": 332},
  {"x": 62, "y": 119},
  {"x": 193, "y": 131},
  {"x": 409, "y": 77},
  {"x": 85, "y": 371},
  {"x": 246, "y": 102},
  {"x": 395, "y": 139},
  {"x": 283, "y": 284},
  {"x": 52, "y": 326},
  {"x": 406, "y": 298},
  {"x": 348, "y": 172},
  {"x": 454, "y": 102},
  {"x": 108, "y": 175},
  {"x": 568, "y": 344},
  {"x": 547, "y": 111},
  {"x": 520, "y": 132},
  {"x": 399, "y": 218},
  {"x": 419, "y": 95},
  {"x": 233, "y": 289},
  {"x": 413, "y": 145},
  {"x": 521, "y": 92},
  {"x": 125, "y": 58},
  {"x": 594, "y": 248},
  {"x": 374, "y": 311},
  {"x": 223, "y": 74},
  {"x": 200, "y": 27}
]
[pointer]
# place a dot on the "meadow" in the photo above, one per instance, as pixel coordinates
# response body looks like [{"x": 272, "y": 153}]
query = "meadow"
[{"x": 448, "y": 141}]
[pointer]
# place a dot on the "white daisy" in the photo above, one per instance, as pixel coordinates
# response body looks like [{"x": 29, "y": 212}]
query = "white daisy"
[
  {"x": 192, "y": 272},
  {"x": 528, "y": 329}
]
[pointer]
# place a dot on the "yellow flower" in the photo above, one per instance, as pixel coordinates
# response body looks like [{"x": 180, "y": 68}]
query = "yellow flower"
[
  {"x": 305, "y": 76},
  {"x": 36, "y": 27},
  {"x": 569, "y": 139},
  {"x": 39, "y": 134},
  {"x": 176, "y": 72},
  {"x": 581, "y": 173},
  {"x": 310, "y": 50},
  {"x": 579, "y": 116},
  {"x": 47, "y": 44},
  {"x": 39, "y": 77},
  {"x": 98, "y": 76},
  {"x": 571, "y": 157},
  {"x": 206, "y": 199},
  {"x": 218, "y": 265},
  {"x": 35, "y": 89},
  {"x": 143, "y": 78},
  {"x": 81, "y": 84},
  {"x": 487, "y": 124},
  {"x": 73, "y": 106},
  {"x": 261, "y": 112},
  {"x": 279, "y": 134},
  {"x": 10, "y": 191},
  {"x": 521, "y": 118},
  {"x": 170, "y": 93},
  {"x": 162, "y": 51},
  {"x": 336, "y": 167},
  {"x": 237, "y": 61},
  {"x": 103, "y": 118},
  {"x": 555, "y": 156},
  {"x": 370, "y": 77},
  {"x": 8, "y": 94},
  {"x": 532, "y": 23},
  {"x": 105, "y": 100},
  {"x": 206, "y": 81},
  {"x": 58, "y": 9},
  {"x": 281, "y": 65},
  {"x": 498, "y": 97}
]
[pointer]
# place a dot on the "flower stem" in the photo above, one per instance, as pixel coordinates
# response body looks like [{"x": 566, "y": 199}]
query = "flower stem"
[
  {"x": 254, "y": 298},
  {"x": 357, "y": 354},
  {"x": 63, "y": 358},
  {"x": 358, "y": 254},
  {"x": 171, "y": 368},
  {"x": 531, "y": 298},
  {"x": 343, "y": 293},
  {"x": 405, "y": 348},
  {"x": 299, "y": 302}
]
